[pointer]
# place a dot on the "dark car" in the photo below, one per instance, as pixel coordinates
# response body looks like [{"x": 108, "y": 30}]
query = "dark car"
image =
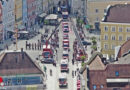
[{"x": 86, "y": 43}]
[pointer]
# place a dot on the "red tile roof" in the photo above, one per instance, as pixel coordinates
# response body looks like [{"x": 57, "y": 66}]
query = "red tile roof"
[
  {"x": 125, "y": 48},
  {"x": 98, "y": 77},
  {"x": 118, "y": 13}
]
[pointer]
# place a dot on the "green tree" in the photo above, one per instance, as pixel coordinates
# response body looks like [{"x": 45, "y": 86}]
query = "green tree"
[
  {"x": 83, "y": 58},
  {"x": 94, "y": 42},
  {"x": 93, "y": 38}
]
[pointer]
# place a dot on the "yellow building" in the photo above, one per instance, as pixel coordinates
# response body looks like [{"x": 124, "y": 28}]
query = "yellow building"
[
  {"x": 18, "y": 12},
  {"x": 96, "y": 8},
  {"x": 115, "y": 28}
]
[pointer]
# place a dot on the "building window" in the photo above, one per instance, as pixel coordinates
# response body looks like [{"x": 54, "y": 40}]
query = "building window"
[
  {"x": 120, "y": 29},
  {"x": 128, "y": 37},
  {"x": 106, "y": 28},
  {"x": 105, "y": 37},
  {"x": 120, "y": 38},
  {"x": 97, "y": 19},
  {"x": 94, "y": 87},
  {"x": 96, "y": 10},
  {"x": 105, "y": 46},
  {"x": 105, "y": 10},
  {"x": 101, "y": 86},
  {"x": 113, "y": 37},
  {"x": 116, "y": 73},
  {"x": 113, "y": 29},
  {"x": 112, "y": 47},
  {"x": 128, "y": 29},
  {"x": 19, "y": 81}
]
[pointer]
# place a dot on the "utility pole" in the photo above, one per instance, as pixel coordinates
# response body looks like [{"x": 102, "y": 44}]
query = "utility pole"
[{"x": 16, "y": 36}]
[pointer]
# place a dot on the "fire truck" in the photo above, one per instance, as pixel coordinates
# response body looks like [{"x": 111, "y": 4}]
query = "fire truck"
[
  {"x": 65, "y": 27},
  {"x": 79, "y": 54},
  {"x": 47, "y": 54},
  {"x": 65, "y": 54},
  {"x": 63, "y": 80},
  {"x": 65, "y": 43},
  {"x": 64, "y": 65},
  {"x": 48, "y": 51}
]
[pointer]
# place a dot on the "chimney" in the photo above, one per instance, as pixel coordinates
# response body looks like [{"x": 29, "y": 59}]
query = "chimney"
[{"x": 22, "y": 53}]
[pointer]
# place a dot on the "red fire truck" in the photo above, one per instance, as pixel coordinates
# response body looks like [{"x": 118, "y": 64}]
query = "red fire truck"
[
  {"x": 63, "y": 80},
  {"x": 65, "y": 43},
  {"x": 64, "y": 65}
]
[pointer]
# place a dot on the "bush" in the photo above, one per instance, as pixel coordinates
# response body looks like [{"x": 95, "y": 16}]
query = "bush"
[
  {"x": 94, "y": 47},
  {"x": 93, "y": 38},
  {"x": 82, "y": 64},
  {"x": 94, "y": 42}
]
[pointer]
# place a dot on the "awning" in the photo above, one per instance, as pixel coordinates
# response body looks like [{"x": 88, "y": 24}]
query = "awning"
[
  {"x": 118, "y": 80},
  {"x": 52, "y": 16},
  {"x": 42, "y": 15},
  {"x": 24, "y": 32},
  {"x": 21, "y": 27}
]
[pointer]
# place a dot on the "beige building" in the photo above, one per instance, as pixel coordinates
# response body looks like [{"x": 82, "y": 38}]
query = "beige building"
[
  {"x": 96, "y": 9},
  {"x": 18, "y": 12},
  {"x": 115, "y": 28}
]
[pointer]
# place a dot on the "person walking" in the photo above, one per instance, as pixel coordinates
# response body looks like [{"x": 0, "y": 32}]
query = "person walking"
[
  {"x": 73, "y": 61},
  {"x": 73, "y": 73},
  {"x": 35, "y": 46}
]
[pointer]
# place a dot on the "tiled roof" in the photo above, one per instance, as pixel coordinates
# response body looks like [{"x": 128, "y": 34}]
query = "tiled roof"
[
  {"x": 13, "y": 63},
  {"x": 90, "y": 60},
  {"x": 118, "y": 14},
  {"x": 125, "y": 48},
  {"x": 100, "y": 76},
  {"x": 123, "y": 69}
]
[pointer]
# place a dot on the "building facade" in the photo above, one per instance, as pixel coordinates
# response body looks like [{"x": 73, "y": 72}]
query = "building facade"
[
  {"x": 18, "y": 12},
  {"x": 39, "y": 8},
  {"x": 19, "y": 72},
  {"x": 100, "y": 75},
  {"x": 24, "y": 13},
  {"x": 115, "y": 28},
  {"x": 1, "y": 25},
  {"x": 8, "y": 18},
  {"x": 97, "y": 8},
  {"x": 49, "y": 5}
]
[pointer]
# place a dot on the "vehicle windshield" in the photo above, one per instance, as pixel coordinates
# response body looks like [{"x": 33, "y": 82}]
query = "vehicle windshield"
[
  {"x": 46, "y": 54},
  {"x": 66, "y": 27},
  {"x": 66, "y": 31},
  {"x": 64, "y": 65},
  {"x": 65, "y": 45},
  {"x": 62, "y": 79},
  {"x": 65, "y": 54}
]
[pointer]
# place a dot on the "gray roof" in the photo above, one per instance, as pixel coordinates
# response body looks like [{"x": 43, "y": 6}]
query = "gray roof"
[{"x": 13, "y": 63}]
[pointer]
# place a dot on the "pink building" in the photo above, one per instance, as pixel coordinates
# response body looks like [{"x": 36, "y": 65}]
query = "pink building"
[{"x": 31, "y": 14}]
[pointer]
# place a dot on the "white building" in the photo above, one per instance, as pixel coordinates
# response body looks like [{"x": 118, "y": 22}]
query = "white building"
[
  {"x": 8, "y": 18},
  {"x": 39, "y": 8}
]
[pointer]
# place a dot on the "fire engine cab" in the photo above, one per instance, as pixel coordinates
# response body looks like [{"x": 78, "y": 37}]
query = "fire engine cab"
[
  {"x": 63, "y": 80},
  {"x": 47, "y": 53},
  {"x": 64, "y": 65}
]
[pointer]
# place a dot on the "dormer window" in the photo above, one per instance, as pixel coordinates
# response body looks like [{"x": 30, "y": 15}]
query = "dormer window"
[{"x": 117, "y": 73}]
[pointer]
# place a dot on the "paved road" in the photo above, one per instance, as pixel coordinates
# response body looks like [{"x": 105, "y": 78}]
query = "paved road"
[{"x": 52, "y": 81}]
